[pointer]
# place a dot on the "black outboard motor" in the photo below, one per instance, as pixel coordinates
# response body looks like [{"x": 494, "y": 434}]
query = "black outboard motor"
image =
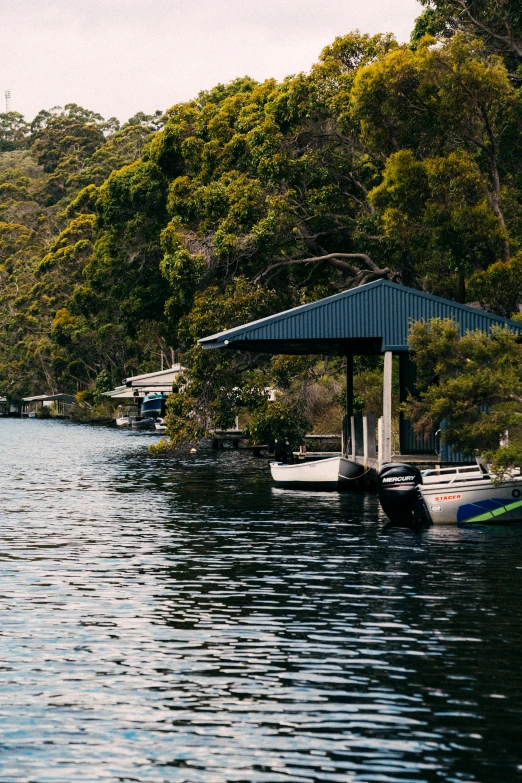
[
  {"x": 282, "y": 452},
  {"x": 398, "y": 494}
]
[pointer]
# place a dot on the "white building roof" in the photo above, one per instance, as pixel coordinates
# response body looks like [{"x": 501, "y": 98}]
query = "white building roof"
[
  {"x": 161, "y": 377},
  {"x": 50, "y": 398},
  {"x": 160, "y": 382},
  {"x": 120, "y": 392}
]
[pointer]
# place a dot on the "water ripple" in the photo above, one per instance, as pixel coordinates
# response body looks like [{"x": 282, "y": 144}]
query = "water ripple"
[{"x": 182, "y": 620}]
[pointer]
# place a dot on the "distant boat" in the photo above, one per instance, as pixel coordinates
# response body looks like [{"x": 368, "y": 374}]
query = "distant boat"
[
  {"x": 330, "y": 474},
  {"x": 160, "y": 425},
  {"x": 126, "y": 415},
  {"x": 153, "y": 405},
  {"x": 151, "y": 410}
]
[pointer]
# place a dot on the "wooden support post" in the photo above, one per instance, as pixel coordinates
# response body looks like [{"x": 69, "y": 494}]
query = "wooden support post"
[
  {"x": 359, "y": 436},
  {"x": 347, "y": 437},
  {"x": 380, "y": 439},
  {"x": 349, "y": 385},
  {"x": 365, "y": 442},
  {"x": 372, "y": 433},
  {"x": 387, "y": 407}
]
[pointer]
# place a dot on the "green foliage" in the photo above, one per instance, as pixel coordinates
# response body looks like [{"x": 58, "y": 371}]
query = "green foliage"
[
  {"x": 14, "y": 131},
  {"x": 277, "y": 421},
  {"x": 103, "y": 383},
  {"x": 183, "y": 426},
  {"x": 473, "y": 383},
  {"x": 498, "y": 287},
  {"x": 437, "y": 209},
  {"x": 102, "y": 412},
  {"x": 498, "y": 23},
  {"x": 57, "y": 329},
  {"x": 151, "y": 122},
  {"x": 218, "y": 384},
  {"x": 119, "y": 244},
  {"x": 432, "y": 22}
]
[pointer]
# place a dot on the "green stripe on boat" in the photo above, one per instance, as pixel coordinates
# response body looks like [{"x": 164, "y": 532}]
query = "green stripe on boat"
[{"x": 495, "y": 513}]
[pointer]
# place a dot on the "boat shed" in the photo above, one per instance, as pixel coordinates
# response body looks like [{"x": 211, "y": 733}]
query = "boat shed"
[
  {"x": 372, "y": 319},
  {"x": 137, "y": 386},
  {"x": 62, "y": 402}
]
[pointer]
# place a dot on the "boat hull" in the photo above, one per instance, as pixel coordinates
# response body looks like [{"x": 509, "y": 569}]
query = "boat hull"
[
  {"x": 328, "y": 475},
  {"x": 482, "y": 503},
  {"x": 349, "y": 472},
  {"x": 124, "y": 421}
]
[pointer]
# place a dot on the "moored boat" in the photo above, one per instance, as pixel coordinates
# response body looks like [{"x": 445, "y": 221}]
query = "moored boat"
[
  {"x": 152, "y": 409},
  {"x": 153, "y": 405},
  {"x": 330, "y": 474},
  {"x": 452, "y": 496},
  {"x": 126, "y": 415}
]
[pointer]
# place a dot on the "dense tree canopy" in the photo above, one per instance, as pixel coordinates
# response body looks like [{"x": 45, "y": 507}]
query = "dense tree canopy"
[
  {"x": 48, "y": 231},
  {"x": 120, "y": 243},
  {"x": 497, "y": 22}
]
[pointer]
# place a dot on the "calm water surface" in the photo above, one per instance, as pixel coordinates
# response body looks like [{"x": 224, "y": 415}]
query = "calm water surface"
[{"x": 181, "y": 620}]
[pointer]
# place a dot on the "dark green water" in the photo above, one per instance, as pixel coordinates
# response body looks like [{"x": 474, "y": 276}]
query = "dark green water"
[{"x": 183, "y": 621}]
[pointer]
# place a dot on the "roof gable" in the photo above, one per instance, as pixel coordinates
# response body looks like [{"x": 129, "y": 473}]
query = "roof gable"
[{"x": 372, "y": 318}]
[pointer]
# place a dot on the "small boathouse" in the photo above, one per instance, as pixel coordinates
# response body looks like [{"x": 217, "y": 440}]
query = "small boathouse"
[
  {"x": 137, "y": 386},
  {"x": 62, "y": 404},
  {"x": 372, "y": 319}
]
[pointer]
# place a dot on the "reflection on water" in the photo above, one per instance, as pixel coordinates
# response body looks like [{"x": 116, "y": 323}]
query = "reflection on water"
[{"x": 183, "y": 621}]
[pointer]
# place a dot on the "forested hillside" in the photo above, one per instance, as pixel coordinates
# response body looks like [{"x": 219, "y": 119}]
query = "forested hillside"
[
  {"x": 402, "y": 162},
  {"x": 45, "y": 245}
]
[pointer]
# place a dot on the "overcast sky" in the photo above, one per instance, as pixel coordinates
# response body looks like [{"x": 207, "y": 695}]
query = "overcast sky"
[{"x": 118, "y": 57}]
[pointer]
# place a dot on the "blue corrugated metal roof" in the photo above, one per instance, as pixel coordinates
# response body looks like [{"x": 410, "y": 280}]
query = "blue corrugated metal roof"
[{"x": 373, "y": 318}]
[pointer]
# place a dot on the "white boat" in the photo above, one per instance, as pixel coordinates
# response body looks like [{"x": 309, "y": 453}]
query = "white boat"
[
  {"x": 440, "y": 475},
  {"x": 126, "y": 415},
  {"x": 451, "y": 496},
  {"x": 483, "y": 502},
  {"x": 160, "y": 425},
  {"x": 332, "y": 473}
]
